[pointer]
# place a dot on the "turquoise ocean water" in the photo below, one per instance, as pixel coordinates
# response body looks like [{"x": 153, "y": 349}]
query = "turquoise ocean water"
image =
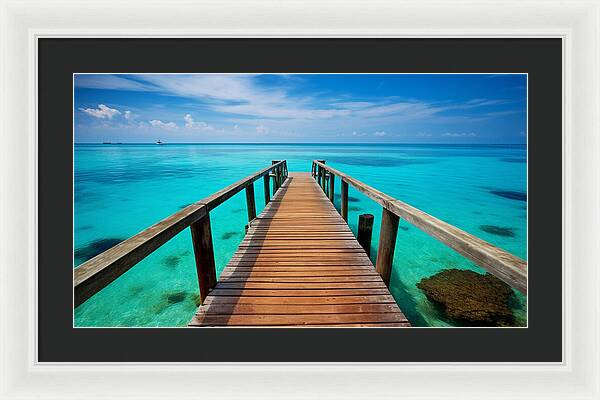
[{"x": 122, "y": 189}]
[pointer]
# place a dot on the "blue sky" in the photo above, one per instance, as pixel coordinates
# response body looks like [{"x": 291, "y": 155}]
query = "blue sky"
[{"x": 296, "y": 108}]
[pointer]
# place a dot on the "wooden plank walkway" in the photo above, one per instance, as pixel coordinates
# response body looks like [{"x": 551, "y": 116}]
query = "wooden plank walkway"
[{"x": 299, "y": 265}]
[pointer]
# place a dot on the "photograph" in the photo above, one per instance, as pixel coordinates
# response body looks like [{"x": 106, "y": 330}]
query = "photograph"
[{"x": 300, "y": 200}]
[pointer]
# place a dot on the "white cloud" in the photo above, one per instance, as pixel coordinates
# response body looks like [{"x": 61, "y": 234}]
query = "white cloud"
[
  {"x": 262, "y": 129},
  {"x": 471, "y": 134},
  {"x": 189, "y": 121},
  {"x": 247, "y": 101},
  {"x": 198, "y": 125},
  {"x": 102, "y": 112},
  {"x": 242, "y": 95},
  {"x": 157, "y": 123},
  {"x": 353, "y": 105},
  {"x": 482, "y": 102},
  {"x": 413, "y": 109}
]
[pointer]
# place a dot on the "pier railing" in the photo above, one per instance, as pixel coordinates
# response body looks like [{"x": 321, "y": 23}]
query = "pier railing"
[
  {"x": 507, "y": 267},
  {"x": 98, "y": 272}
]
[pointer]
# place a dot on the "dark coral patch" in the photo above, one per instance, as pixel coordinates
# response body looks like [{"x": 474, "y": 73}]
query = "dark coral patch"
[
  {"x": 171, "y": 261},
  {"x": 498, "y": 230},
  {"x": 229, "y": 235},
  {"x": 175, "y": 297},
  {"x": 353, "y": 208},
  {"x": 351, "y": 199},
  {"x": 510, "y": 194},
  {"x": 470, "y": 298},
  {"x": 169, "y": 298},
  {"x": 404, "y": 228},
  {"x": 96, "y": 247},
  {"x": 135, "y": 290}
]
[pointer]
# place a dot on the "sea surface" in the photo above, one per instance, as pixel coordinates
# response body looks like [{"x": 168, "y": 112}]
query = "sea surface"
[{"x": 123, "y": 189}]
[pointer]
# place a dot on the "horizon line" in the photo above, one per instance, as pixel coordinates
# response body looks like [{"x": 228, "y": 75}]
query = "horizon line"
[{"x": 291, "y": 143}]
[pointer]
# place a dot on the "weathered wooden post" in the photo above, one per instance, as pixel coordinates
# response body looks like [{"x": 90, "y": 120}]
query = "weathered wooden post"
[
  {"x": 280, "y": 173},
  {"x": 387, "y": 244},
  {"x": 365, "y": 231},
  {"x": 266, "y": 179},
  {"x": 204, "y": 254},
  {"x": 344, "y": 200},
  {"x": 275, "y": 177},
  {"x": 319, "y": 172},
  {"x": 322, "y": 174},
  {"x": 331, "y": 186},
  {"x": 250, "y": 202}
]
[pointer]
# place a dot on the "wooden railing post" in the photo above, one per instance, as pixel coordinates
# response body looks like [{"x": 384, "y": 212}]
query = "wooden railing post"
[
  {"x": 319, "y": 172},
  {"x": 266, "y": 179},
  {"x": 365, "y": 231},
  {"x": 344, "y": 200},
  {"x": 331, "y": 187},
  {"x": 275, "y": 177},
  {"x": 387, "y": 244},
  {"x": 204, "y": 254},
  {"x": 280, "y": 174},
  {"x": 250, "y": 202}
]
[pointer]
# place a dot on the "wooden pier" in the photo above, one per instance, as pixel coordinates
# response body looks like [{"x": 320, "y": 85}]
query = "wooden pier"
[{"x": 299, "y": 263}]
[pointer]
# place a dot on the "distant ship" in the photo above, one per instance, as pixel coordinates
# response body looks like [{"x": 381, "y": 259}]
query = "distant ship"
[{"x": 159, "y": 142}]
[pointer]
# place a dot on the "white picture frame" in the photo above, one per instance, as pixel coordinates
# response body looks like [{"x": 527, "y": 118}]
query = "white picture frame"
[{"x": 577, "y": 22}]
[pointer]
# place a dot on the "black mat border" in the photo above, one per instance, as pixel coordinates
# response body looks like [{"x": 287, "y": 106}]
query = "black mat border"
[{"x": 58, "y": 59}]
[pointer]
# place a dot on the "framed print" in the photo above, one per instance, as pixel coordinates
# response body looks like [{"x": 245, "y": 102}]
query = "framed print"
[
  {"x": 384, "y": 137},
  {"x": 301, "y": 210}
]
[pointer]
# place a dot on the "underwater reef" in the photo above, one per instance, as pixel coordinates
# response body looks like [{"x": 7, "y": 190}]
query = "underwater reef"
[{"x": 470, "y": 298}]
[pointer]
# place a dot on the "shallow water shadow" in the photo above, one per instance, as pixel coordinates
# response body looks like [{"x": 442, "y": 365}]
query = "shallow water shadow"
[
  {"x": 498, "y": 230},
  {"x": 96, "y": 247},
  {"x": 171, "y": 297},
  {"x": 229, "y": 235},
  {"x": 171, "y": 261},
  {"x": 407, "y": 303},
  {"x": 510, "y": 194},
  {"x": 351, "y": 199}
]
